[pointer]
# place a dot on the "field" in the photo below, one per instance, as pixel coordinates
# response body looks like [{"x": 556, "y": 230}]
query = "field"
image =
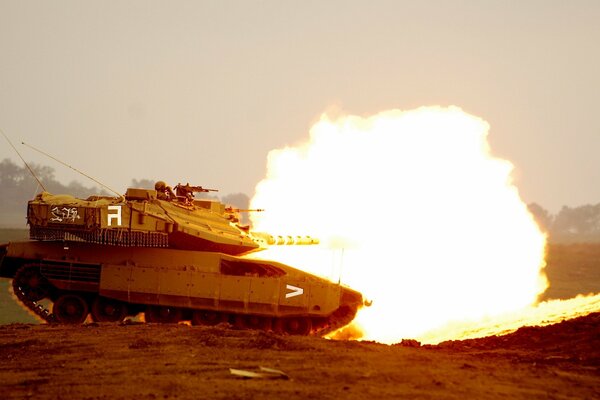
[
  {"x": 7, "y": 235},
  {"x": 149, "y": 361},
  {"x": 572, "y": 269},
  {"x": 10, "y": 311}
]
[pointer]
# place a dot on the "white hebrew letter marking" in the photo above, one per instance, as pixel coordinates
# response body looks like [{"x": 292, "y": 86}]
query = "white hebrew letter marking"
[{"x": 116, "y": 215}]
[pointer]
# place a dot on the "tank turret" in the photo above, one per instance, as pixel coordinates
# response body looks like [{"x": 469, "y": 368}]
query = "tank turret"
[{"x": 144, "y": 218}]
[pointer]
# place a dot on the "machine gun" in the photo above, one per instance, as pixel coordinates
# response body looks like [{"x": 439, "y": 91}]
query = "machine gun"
[{"x": 187, "y": 192}]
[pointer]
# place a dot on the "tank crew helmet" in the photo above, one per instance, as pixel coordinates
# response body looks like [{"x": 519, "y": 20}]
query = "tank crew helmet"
[{"x": 160, "y": 186}]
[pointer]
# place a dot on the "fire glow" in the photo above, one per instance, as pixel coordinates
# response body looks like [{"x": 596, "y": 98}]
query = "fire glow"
[{"x": 411, "y": 209}]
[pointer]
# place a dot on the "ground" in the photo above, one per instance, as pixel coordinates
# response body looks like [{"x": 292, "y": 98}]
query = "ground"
[{"x": 148, "y": 361}]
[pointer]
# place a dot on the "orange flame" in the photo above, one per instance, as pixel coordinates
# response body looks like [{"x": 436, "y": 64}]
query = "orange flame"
[{"x": 412, "y": 210}]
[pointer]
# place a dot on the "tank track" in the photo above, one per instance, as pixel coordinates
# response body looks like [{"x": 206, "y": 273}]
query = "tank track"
[
  {"x": 339, "y": 319},
  {"x": 38, "y": 309}
]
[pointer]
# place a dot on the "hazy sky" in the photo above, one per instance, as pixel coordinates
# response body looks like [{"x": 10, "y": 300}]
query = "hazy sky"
[{"x": 200, "y": 91}]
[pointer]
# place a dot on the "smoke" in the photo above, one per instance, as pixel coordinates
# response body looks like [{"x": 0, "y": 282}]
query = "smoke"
[{"x": 411, "y": 209}]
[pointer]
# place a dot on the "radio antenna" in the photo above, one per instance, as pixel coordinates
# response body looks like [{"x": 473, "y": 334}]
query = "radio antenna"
[
  {"x": 73, "y": 168},
  {"x": 24, "y": 162}
]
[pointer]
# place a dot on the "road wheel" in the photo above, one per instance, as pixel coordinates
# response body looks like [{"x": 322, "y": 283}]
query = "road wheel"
[
  {"x": 30, "y": 283},
  {"x": 255, "y": 322},
  {"x": 294, "y": 325},
  {"x": 70, "y": 309},
  {"x": 207, "y": 317},
  {"x": 108, "y": 310},
  {"x": 163, "y": 314}
]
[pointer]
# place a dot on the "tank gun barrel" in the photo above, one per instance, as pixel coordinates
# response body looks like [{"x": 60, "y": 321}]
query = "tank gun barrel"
[
  {"x": 237, "y": 210},
  {"x": 279, "y": 240}
]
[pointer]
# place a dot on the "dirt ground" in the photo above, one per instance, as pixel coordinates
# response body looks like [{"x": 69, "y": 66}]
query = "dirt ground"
[
  {"x": 131, "y": 361},
  {"x": 149, "y": 361}
]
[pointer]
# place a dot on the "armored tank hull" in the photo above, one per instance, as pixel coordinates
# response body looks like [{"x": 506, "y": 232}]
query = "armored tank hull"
[
  {"x": 108, "y": 283},
  {"x": 172, "y": 258}
]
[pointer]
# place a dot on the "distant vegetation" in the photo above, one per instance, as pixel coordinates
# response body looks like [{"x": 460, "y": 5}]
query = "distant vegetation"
[
  {"x": 570, "y": 225},
  {"x": 18, "y": 187}
]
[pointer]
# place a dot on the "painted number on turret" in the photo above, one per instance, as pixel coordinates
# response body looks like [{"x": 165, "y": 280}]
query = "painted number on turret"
[
  {"x": 64, "y": 214},
  {"x": 295, "y": 291},
  {"x": 114, "y": 215}
]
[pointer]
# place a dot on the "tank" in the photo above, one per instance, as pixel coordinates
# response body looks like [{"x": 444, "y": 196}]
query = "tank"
[{"x": 169, "y": 256}]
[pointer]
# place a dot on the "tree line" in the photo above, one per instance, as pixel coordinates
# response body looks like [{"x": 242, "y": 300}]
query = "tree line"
[
  {"x": 19, "y": 186},
  {"x": 570, "y": 224}
]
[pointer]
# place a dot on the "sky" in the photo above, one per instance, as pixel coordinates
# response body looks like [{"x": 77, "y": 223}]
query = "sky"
[{"x": 201, "y": 91}]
